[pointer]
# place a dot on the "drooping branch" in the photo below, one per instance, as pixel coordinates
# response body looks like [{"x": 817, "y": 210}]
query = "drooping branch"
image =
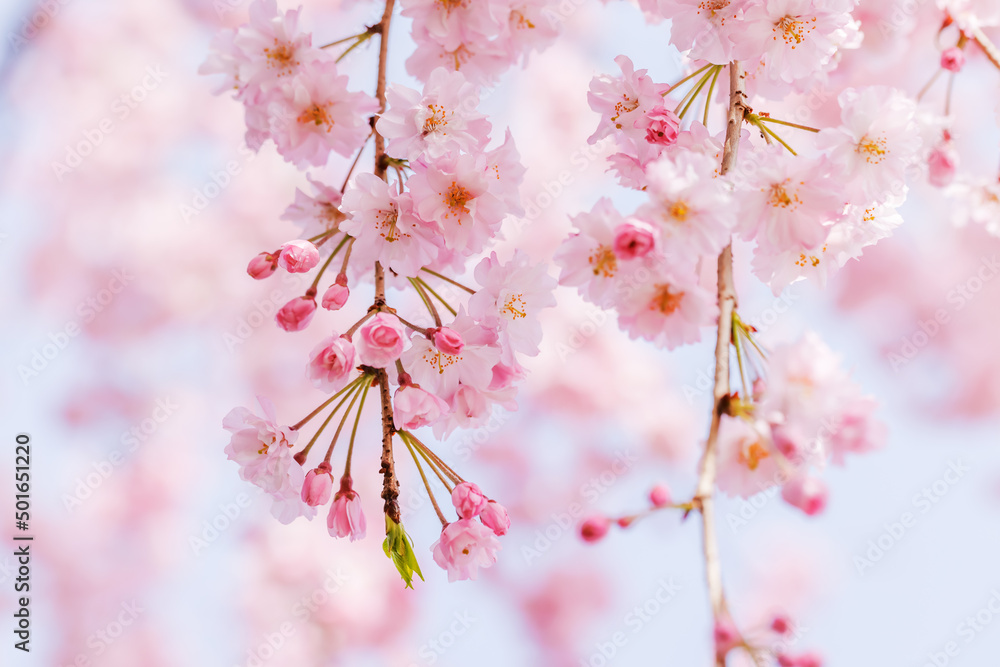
[{"x": 727, "y": 305}]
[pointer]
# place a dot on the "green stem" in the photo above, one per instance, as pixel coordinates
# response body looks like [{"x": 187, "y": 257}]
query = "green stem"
[
  {"x": 305, "y": 452},
  {"x": 708, "y": 99},
  {"x": 768, "y": 119},
  {"x": 423, "y": 477},
  {"x": 340, "y": 426},
  {"x": 354, "y": 431},
  {"x": 361, "y": 40},
  {"x": 687, "y": 78},
  {"x": 448, "y": 280},
  {"x": 436, "y": 295},
  {"x": 323, "y": 405}
]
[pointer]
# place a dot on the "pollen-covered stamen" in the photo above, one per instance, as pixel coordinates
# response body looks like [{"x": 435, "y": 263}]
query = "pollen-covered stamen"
[
  {"x": 520, "y": 21},
  {"x": 713, "y": 7},
  {"x": 282, "y": 57},
  {"x": 753, "y": 455},
  {"x": 456, "y": 198},
  {"x": 439, "y": 360},
  {"x": 793, "y": 29},
  {"x": 626, "y": 105},
  {"x": 809, "y": 260},
  {"x": 678, "y": 211},
  {"x": 449, "y": 5},
  {"x": 779, "y": 196},
  {"x": 604, "y": 261},
  {"x": 514, "y": 307},
  {"x": 437, "y": 121},
  {"x": 386, "y": 221},
  {"x": 666, "y": 300},
  {"x": 874, "y": 149},
  {"x": 317, "y": 114}
]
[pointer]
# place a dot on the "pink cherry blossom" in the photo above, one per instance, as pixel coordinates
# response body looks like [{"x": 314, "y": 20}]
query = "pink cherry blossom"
[
  {"x": 298, "y": 256},
  {"x": 441, "y": 120},
  {"x": 314, "y": 114},
  {"x": 263, "y": 450},
  {"x": 953, "y": 59},
  {"x": 662, "y": 126},
  {"x": 315, "y": 214},
  {"x": 318, "y": 486},
  {"x": 465, "y": 546},
  {"x": 942, "y": 164},
  {"x": 624, "y": 101},
  {"x": 381, "y": 340},
  {"x": 594, "y": 528},
  {"x": 665, "y": 308},
  {"x": 448, "y": 341},
  {"x": 494, "y": 516},
  {"x": 262, "y": 266},
  {"x": 660, "y": 496},
  {"x": 512, "y": 294},
  {"x": 441, "y": 373},
  {"x": 346, "y": 517},
  {"x": 297, "y": 313},
  {"x": 385, "y": 228},
  {"x": 331, "y": 363},
  {"x": 414, "y": 407},
  {"x": 748, "y": 460},
  {"x": 806, "y": 492},
  {"x": 634, "y": 239},
  {"x": 707, "y": 30},
  {"x": 337, "y": 294},
  {"x": 468, "y": 500},
  {"x": 588, "y": 258}
]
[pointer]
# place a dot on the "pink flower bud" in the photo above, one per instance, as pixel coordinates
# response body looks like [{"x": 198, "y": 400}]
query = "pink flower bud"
[
  {"x": 805, "y": 492},
  {"x": 594, "y": 528},
  {"x": 468, "y": 500},
  {"x": 298, "y": 256},
  {"x": 414, "y": 407},
  {"x": 336, "y": 296},
  {"x": 726, "y": 638},
  {"x": 296, "y": 314},
  {"x": 262, "y": 266},
  {"x": 346, "y": 518},
  {"x": 662, "y": 126},
  {"x": 942, "y": 164},
  {"x": 634, "y": 239},
  {"x": 801, "y": 660},
  {"x": 660, "y": 495},
  {"x": 318, "y": 486},
  {"x": 331, "y": 363},
  {"x": 494, "y": 516},
  {"x": 952, "y": 59},
  {"x": 781, "y": 624},
  {"x": 381, "y": 340},
  {"x": 448, "y": 341}
]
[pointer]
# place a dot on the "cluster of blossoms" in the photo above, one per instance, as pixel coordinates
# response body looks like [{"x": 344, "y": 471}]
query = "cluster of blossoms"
[
  {"x": 445, "y": 367},
  {"x": 480, "y": 38}
]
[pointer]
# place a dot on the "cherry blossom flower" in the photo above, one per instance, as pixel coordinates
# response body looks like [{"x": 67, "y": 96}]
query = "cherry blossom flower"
[
  {"x": 465, "y": 546},
  {"x": 594, "y": 528},
  {"x": 706, "y": 29},
  {"x": 512, "y": 294},
  {"x": 442, "y": 373},
  {"x": 384, "y": 227},
  {"x": 318, "y": 486},
  {"x": 748, "y": 461},
  {"x": 468, "y": 500},
  {"x": 263, "y": 450},
  {"x": 942, "y": 164},
  {"x": 414, "y": 407},
  {"x": 668, "y": 309},
  {"x": 381, "y": 340},
  {"x": 977, "y": 202},
  {"x": 953, "y": 59},
  {"x": 587, "y": 258},
  {"x": 317, "y": 214},
  {"x": 441, "y": 120},
  {"x": 346, "y": 517},
  {"x": 296, "y": 314},
  {"x": 315, "y": 114},
  {"x": 494, "y": 516},
  {"x": 331, "y": 363},
  {"x": 624, "y": 101},
  {"x": 262, "y": 266},
  {"x": 807, "y": 492},
  {"x": 448, "y": 341},
  {"x": 660, "y": 496},
  {"x": 877, "y": 140},
  {"x": 337, "y": 294},
  {"x": 635, "y": 239},
  {"x": 298, "y": 256}
]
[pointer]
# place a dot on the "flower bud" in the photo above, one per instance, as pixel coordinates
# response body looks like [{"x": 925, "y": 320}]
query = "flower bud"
[
  {"x": 298, "y": 256},
  {"x": 262, "y": 266},
  {"x": 942, "y": 164},
  {"x": 494, "y": 516},
  {"x": 952, "y": 59},
  {"x": 806, "y": 492},
  {"x": 318, "y": 486},
  {"x": 336, "y": 296},
  {"x": 296, "y": 314},
  {"x": 662, "y": 126},
  {"x": 660, "y": 495},
  {"x": 594, "y": 528},
  {"x": 468, "y": 500},
  {"x": 448, "y": 341},
  {"x": 634, "y": 239}
]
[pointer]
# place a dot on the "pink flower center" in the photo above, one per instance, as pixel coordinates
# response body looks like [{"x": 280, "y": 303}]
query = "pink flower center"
[
  {"x": 792, "y": 29},
  {"x": 604, "y": 261},
  {"x": 386, "y": 221},
  {"x": 456, "y": 199},
  {"x": 666, "y": 300},
  {"x": 436, "y": 120},
  {"x": 281, "y": 56},
  {"x": 514, "y": 307},
  {"x": 873, "y": 150},
  {"x": 439, "y": 360},
  {"x": 625, "y": 106},
  {"x": 316, "y": 114},
  {"x": 779, "y": 197},
  {"x": 754, "y": 454},
  {"x": 678, "y": 211}
]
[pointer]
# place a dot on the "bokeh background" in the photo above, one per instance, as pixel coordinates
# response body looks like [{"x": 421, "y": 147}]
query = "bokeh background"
[{"x": 148, "y": 548}]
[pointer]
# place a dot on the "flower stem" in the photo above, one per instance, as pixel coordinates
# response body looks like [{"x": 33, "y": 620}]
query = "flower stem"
[
  {"x": 448, "y": 280},
  {"x": 687, "y": 78},
  {"x": 340, "y": 426},
  {"x": 322, "y": 405},
  {"x": 423, "y": 477},
  {"x": 437, "y": 296},
  {"x": 305, "y": 452},
  {"x": 354, "y": 431}
]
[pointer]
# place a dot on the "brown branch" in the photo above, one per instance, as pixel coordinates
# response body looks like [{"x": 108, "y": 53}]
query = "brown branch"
[
  {"x": 727, "y": 305},
  {"x": 390, "y": 485}
]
